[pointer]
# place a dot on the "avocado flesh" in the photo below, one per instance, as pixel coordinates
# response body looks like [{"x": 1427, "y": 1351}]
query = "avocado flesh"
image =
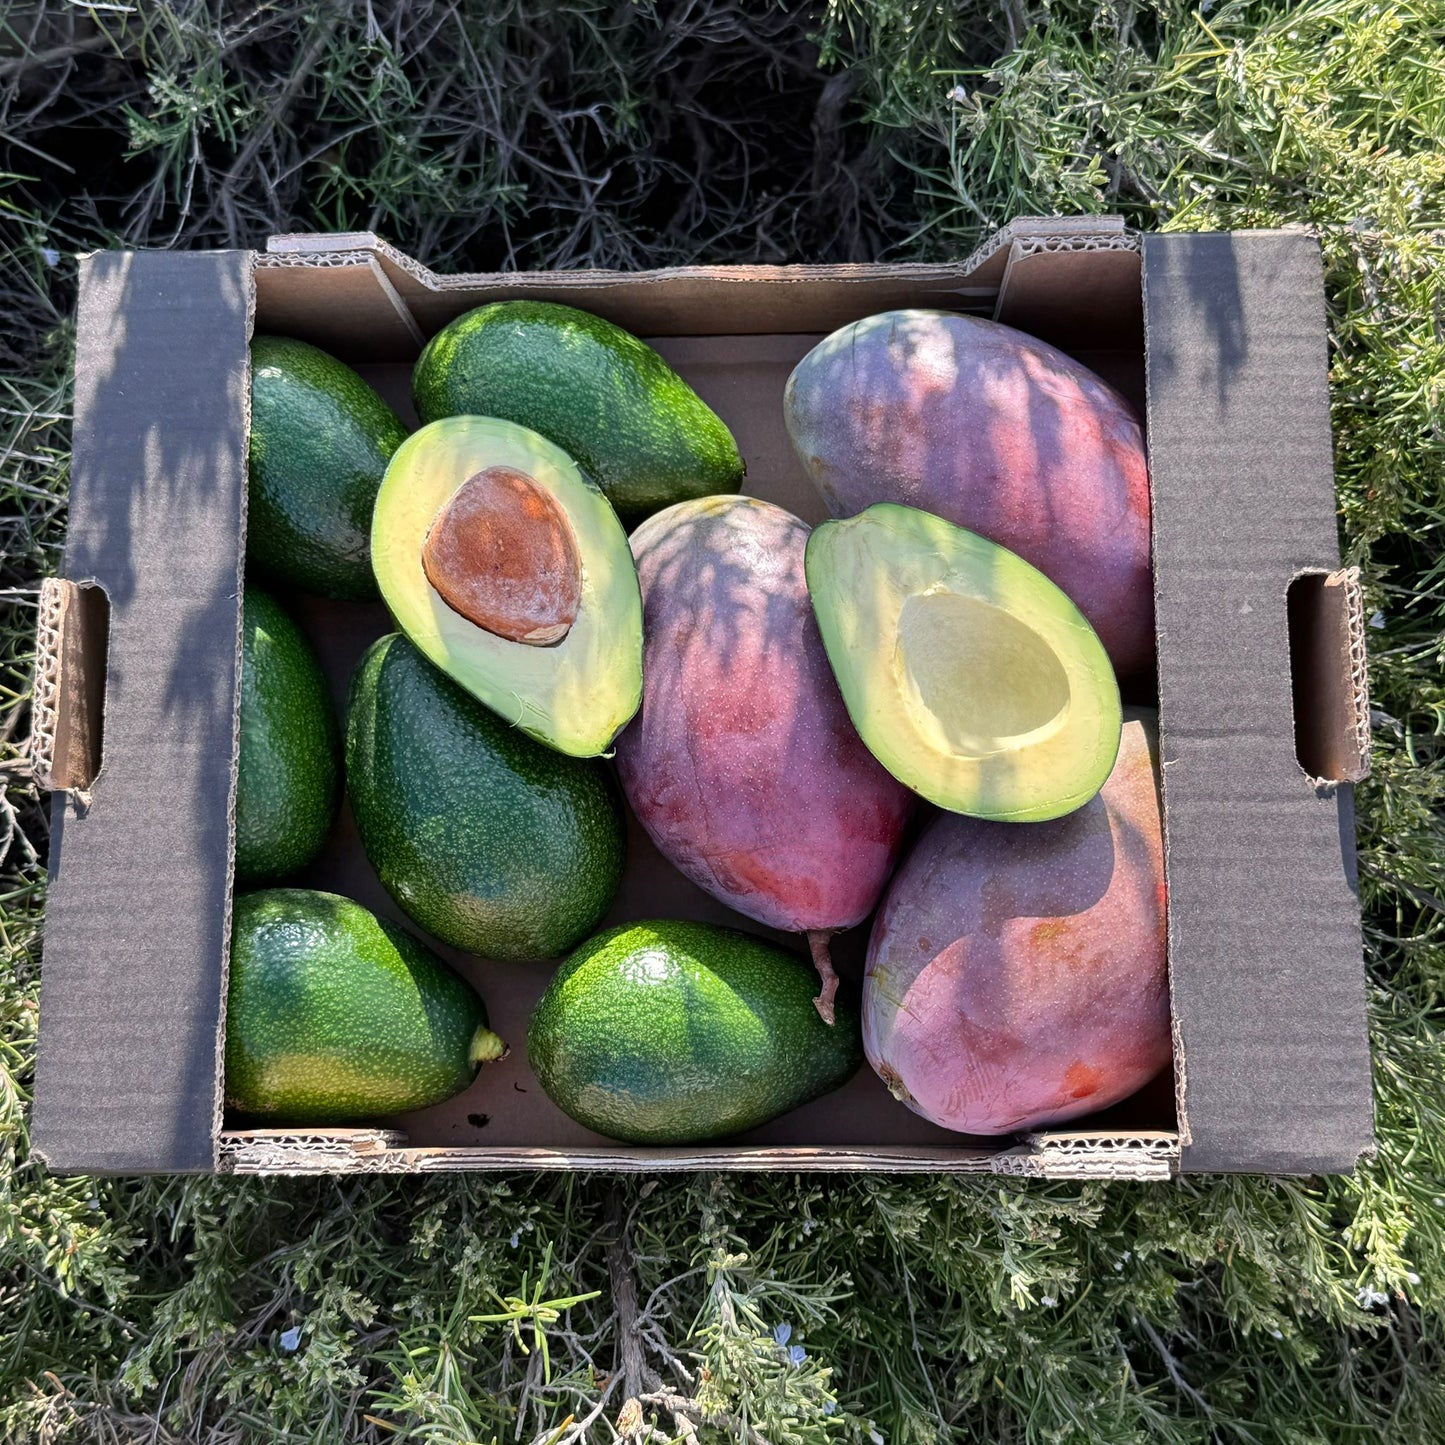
[
  {"x": 669, "y": 1032},
  {"x": 574, "y": 695},
  {"x": 289, "y": 762},
  {"x": 607, "y": 399},
  {"x": 970, "y": 676},
  {"x": 337, "y": 1016}
]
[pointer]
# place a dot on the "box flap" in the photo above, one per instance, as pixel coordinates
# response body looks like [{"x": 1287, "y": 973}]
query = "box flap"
[
  {"x": 1264, "y": 925},
  {"x": 131, "y": 996}
]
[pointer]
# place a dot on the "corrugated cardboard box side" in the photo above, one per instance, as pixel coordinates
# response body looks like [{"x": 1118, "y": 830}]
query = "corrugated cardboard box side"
[{"x": 1260, "y": 688}]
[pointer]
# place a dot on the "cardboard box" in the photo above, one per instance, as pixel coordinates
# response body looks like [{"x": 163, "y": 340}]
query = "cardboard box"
[{"x": 1218, "y": 339}]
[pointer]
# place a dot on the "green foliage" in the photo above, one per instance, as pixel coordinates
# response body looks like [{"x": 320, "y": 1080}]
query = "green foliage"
[{"x": 781, "y": 1308}]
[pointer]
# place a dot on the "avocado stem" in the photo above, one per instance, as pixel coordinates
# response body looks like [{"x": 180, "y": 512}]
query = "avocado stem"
[
  {"x": 486, "y": 1047},
  {"x": 823, "y": 962}
]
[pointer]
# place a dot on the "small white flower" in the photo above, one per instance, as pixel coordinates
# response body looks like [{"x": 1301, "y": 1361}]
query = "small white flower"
[
  {"x": 1412, "y": 1277},
  {"x": 515, "y": 1239},
  {"x": 1047, "y": 1300},
  {"x": 1378, "y": 621},
  {"x": 1369, "y": 1297},
  {"x": 1278, "y": 1334},
  {"x": 50, "y": 255},
  {"x": 958, "y": 95},
  {"x": 874, "y": 1435}
]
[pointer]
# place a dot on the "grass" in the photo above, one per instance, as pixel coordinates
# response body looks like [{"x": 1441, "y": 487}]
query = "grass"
[{"x": 782, "y": 1308}]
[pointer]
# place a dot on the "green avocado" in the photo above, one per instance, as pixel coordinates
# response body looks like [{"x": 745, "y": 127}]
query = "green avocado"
[
  {"x": 969, "y": 675},
  {"x": 286, "y": 778},
  {"x": 487, "y": 840},
  {"x": 336, "y": 1016},
  {"x": 543, "y": 614},
  {"x": 320, "y": 442},
  {"x": 677, "y": 1033},
  {"x": 606, "y": 398}
]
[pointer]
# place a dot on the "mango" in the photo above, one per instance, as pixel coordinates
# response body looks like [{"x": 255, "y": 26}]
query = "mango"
[
  {"x": 1016, "y": 973},
  {"x": 743, "y": 765},
  {"x": 994, "y": 431}
]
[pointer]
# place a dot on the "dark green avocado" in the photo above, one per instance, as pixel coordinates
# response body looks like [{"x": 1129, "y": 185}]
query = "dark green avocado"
[
  {"x": 287, "y": 775},
  {"x": 320, "y": 442},
  {"x": 336, "y": 1016},
  {"x": 677, "y": 1033},
  {"x": 488, "y": 840},
  {"x": 633, "y": 425}
]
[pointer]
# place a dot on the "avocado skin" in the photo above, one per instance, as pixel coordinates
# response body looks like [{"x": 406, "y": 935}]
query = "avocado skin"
[
  {"x": 632, "y": 424},
  {"x": 287, "y": 775},
  {"x": 320, "y": 442},
  {"x": 676, "y": 1033},
  {"x": 486, "y": 839},
  {"x": 335, "y": 1015}
]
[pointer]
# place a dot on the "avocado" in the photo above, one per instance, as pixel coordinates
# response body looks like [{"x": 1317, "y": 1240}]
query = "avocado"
[
  {"x": 635, "y": 427},
  {"x": 286, "y": 777},
  {"x": 335, "y": 1015},
  {"x": 487, "y": 840},
  {"x": 971, "y": 677},
  {"x": 511, "y": 572},
  {"x": 676, "y": 1033},
  {"x": 320, "y": 442}
]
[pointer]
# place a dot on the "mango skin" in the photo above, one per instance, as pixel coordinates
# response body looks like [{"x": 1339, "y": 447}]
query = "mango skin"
[
  {"x": 743, "y": 764},
  {"x": 995, "y": 431},
  {"x": 1016, "y": 975}
]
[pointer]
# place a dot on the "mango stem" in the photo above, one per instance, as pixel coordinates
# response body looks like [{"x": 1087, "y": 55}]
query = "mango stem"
[
  {"x": 823, "y": 962},
  {"x": 486, "y": 1047}
]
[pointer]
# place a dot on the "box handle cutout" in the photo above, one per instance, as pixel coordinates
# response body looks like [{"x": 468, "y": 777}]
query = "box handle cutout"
[
  {"x": 1328, "y": 675},
  {"x": 68, "y": 710}
]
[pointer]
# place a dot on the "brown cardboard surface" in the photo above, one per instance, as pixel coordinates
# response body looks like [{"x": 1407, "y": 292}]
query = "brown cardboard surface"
[
  {"x": 1264, "y": 925},
  {"x": 134, "y": 965}
]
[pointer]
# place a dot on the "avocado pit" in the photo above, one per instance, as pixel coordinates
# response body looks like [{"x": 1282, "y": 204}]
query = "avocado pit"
[{"x": 501, "y": 554}]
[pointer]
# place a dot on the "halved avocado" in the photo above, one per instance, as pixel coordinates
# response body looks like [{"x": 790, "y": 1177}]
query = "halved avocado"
[
  {"x": 510, "y": 571},
  {"x": 970, "y": 676}
]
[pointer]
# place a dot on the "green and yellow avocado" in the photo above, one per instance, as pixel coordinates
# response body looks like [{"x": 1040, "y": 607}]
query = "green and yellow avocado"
[
  {"x": 288, "y": 771},
  {"x": 631, "y": 423},
  {"x": 670, "y": 1032},
  {"x": 510, "y": 571},
  {"x": 336, "y": 1016},
  {"x": 320, "y": 442}
]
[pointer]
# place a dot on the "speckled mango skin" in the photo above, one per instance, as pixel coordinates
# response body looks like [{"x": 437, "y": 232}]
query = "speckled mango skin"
[
  {"x": 289, "y": 767},
  {"x": 320, "y": 442},
  {"x": 489, "y": 841},
  {"x": 1016, "y": 974},
  {"x": 743, "y": 764},
  {"x": 336, "y": 1016},
  {"x": 676, "y": 1033},
  {"x": 995, "y": 431},
  {"x": 632, "y": 424}
]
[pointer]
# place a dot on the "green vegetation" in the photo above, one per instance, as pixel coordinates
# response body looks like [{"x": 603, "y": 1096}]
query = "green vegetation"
[
  {"x": 289, "y": 769},
  {"x": 637, "y": 429},
  {"x": 450, "y": 1309},
  {"x": 487, "y": 840},
  {"x": 677, "y": 1033},
  {"x": 336, "y": 1016},
  {"x": 320, "y": 442}
]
